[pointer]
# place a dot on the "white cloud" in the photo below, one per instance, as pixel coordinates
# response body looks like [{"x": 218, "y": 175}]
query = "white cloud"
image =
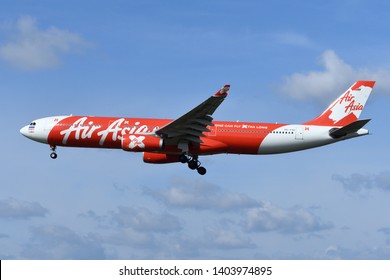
[
  {"x": 336, "y": 77},
  {"x": 59, "y": 242},
  {"x": 361, "y": 184},
  {"x": 225, "y": 239},
  {"x": 259, "y": 216},
  {"x": 268, "y": 217},
  {"x": 386, "y": 232},
  {"x": 201, "y": 195},
  {"x": 127, "y": 237},
  {"x": 14, "y": 209},
  {"x": 143, "y": 219},
  {"x": 31, "y": 48},
  {"x": 360, "y": 253},
  {"x": 292, "y": 39}
]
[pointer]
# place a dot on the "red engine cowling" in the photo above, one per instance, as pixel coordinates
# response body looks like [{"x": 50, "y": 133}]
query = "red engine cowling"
[
  {"x": 141, "y": 143},
  {"x": 160, "y": 158}
]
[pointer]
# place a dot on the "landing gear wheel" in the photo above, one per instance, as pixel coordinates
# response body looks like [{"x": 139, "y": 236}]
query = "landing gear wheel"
[
  {"x": 193, "y": 164},
  {"x": 53, "y": 155},
  {"x": 201, "y": 170},
  {"x": 183, "y": 158}
]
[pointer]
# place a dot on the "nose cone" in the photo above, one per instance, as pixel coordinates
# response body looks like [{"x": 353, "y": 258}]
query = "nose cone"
[
  {"x": 36, "y": 131},
  {"x": 24, "y": 131}
]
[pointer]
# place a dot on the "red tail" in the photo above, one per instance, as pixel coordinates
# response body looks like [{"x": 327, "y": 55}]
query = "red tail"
[{"x": 347, "y": 108}]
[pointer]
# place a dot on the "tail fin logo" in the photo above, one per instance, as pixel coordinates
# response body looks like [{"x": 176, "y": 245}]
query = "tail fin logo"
[
  {"x": 347, "y": 108},
  {"x": 351, "y": 106}
]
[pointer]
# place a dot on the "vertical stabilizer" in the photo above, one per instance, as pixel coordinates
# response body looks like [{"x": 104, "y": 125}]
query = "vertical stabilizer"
[{"x": 347, "y": 108}]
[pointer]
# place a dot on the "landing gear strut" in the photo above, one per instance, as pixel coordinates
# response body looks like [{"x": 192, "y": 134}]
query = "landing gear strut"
[
  {"x": 53, "y": 155},
  {"x": 193, "y": 163}
]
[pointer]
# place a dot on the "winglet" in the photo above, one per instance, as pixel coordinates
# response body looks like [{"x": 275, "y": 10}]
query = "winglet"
[{"x": 223, "y": 91}]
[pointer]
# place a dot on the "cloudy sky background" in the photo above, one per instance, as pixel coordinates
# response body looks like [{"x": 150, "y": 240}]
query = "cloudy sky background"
[{"x": 285, "y": 61}]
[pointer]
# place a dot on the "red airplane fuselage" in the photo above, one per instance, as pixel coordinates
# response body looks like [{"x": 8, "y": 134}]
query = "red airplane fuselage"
[
  {"x": 195, "y": 133},
  {"x": 108, "y": 132}
]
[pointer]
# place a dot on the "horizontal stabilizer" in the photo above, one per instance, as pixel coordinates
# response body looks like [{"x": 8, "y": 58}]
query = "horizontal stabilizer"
[{"x": 350, "y": 128}]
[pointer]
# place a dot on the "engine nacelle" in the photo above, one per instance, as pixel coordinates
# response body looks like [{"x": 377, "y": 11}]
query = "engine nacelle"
[
  {"x": 160, "y": 158},
  {"x": 141, "y": 143}
]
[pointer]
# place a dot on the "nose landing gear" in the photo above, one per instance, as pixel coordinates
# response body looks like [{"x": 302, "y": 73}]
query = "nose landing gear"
[
  {"x": 193, "y": 163},
  {"x": 53, "y": 155}
]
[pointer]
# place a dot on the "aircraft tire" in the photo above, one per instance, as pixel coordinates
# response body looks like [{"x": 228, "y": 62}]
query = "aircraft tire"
[
  {"x": 193, "y": 164},
  {"x": 183, "y": 158},
  {"x": 201, "y": 170},
  {"x": 53, "y": 155}
]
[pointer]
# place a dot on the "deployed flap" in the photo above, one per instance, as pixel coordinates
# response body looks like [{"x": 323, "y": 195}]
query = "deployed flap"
[
  {"x": 191, "y": 126},
  {"x": 343, "y": 131}
]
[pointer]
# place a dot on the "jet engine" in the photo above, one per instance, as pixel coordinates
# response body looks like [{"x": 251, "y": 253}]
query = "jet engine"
[
  {"x": 160, "y": 158},
  {"x": 141, "y": 143}
]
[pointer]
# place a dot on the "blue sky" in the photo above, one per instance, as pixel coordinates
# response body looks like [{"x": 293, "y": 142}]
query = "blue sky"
[{"x": 285, "y": 61}]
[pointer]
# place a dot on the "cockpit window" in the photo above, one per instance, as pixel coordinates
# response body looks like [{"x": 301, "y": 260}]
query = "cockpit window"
[{"x": 33, "y": 123}]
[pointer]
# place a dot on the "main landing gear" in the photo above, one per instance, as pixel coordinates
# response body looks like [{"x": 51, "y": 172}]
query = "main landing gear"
[
  {"x": 53, "y": 155},
  {"x": 193, "y": 163}
]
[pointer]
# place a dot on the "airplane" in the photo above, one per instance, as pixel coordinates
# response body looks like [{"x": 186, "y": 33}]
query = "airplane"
[{"x": 196, "y": 134}]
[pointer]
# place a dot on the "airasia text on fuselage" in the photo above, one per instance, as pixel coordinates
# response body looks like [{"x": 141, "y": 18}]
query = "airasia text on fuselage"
[{"x": 84, "y": 128}]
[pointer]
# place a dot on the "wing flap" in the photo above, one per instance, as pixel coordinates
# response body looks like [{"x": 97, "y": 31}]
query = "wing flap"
[
  {"x": 206, "y": 120},
  {"x": 191, "y": 132},
  {"x": 191, "y": 138}
]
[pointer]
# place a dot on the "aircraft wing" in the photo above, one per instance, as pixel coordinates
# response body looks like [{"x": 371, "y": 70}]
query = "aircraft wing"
[{"x": 191, "y": 126}]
